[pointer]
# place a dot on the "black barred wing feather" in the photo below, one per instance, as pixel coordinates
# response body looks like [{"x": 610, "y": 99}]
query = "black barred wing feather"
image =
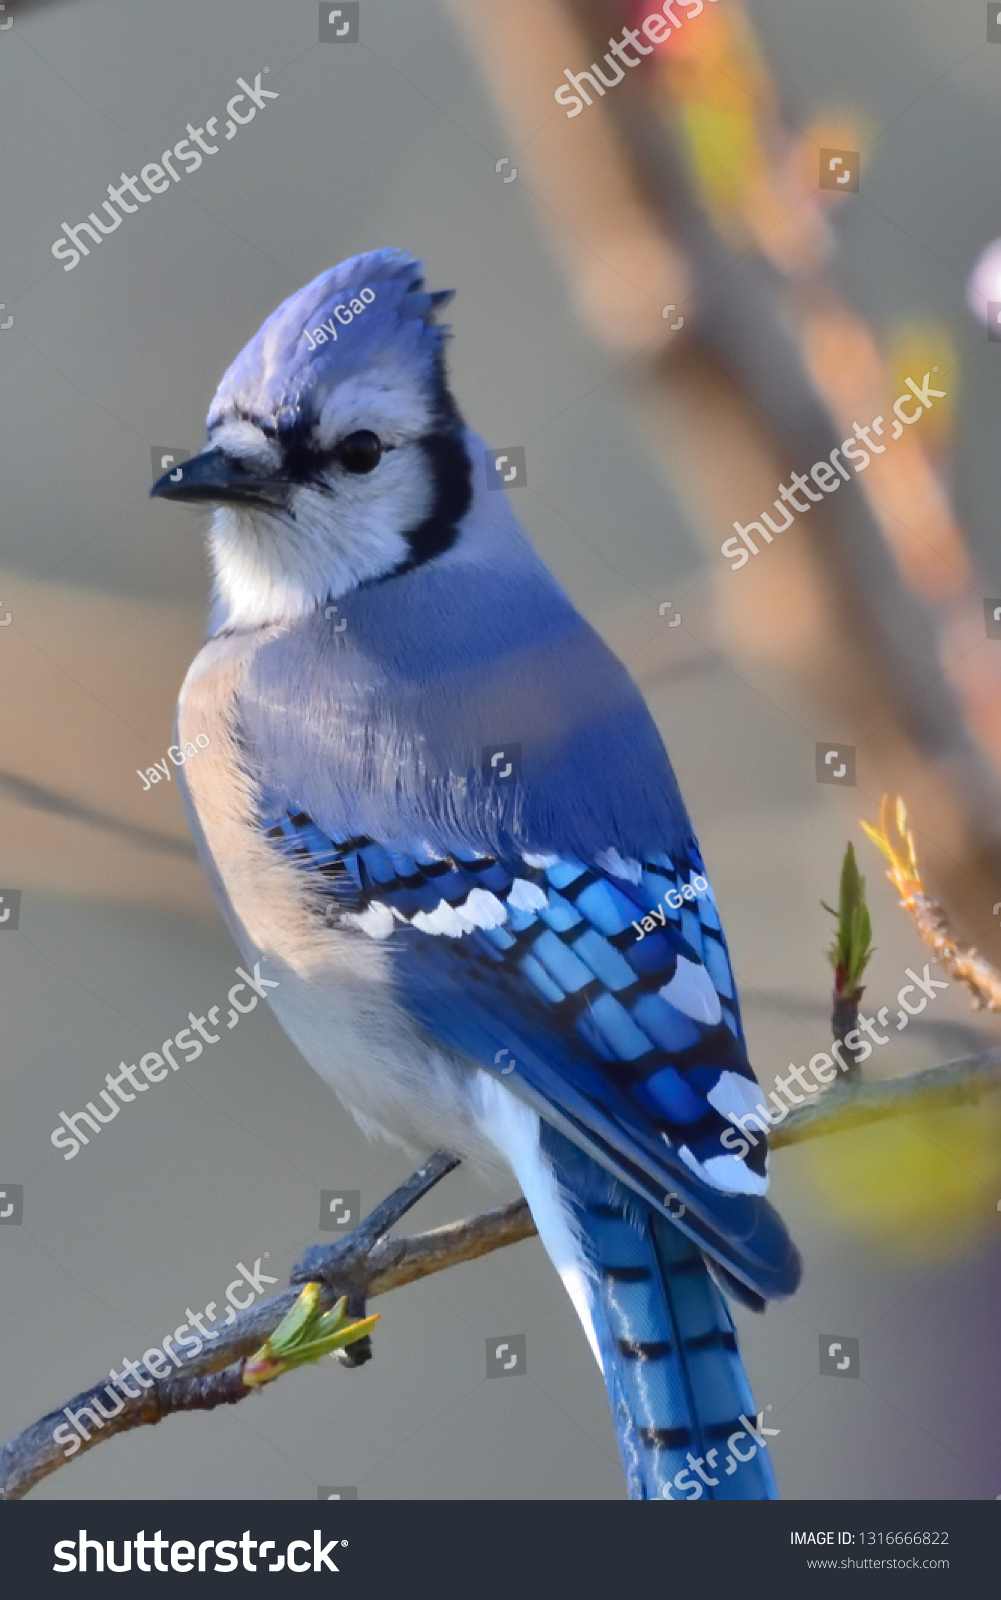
[{"x": 602, "y": 990}]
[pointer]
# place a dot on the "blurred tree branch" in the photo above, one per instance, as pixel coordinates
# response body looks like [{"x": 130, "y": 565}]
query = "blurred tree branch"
[
  {"x": 686, "y": 185},
  {"x": 848, "y": 1105}
]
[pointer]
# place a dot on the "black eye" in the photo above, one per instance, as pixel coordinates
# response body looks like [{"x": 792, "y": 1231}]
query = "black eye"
[{"x": 359, "y": 452}]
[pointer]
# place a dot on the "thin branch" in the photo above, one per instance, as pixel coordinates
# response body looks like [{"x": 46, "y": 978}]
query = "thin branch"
[
  {"x": 400, "y": 1261},
  {"x": 368, "y": 1263},
  {"x": 844, "y": 1106},
  {"x": 964, "y": 963},
  {"x": 365, "y": 1264},
  {"x": 348, "y": 1259},
  {"x": 844, "y": 1020}
]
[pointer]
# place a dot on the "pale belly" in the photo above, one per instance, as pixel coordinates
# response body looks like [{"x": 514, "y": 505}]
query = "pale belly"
[
  {"x": 334, "y": 995},
  {"x": 334, "y": 998}
]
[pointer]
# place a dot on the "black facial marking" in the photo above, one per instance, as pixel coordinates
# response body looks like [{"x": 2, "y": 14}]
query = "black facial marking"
[
  {"x": 360, "y": 453},
  {"x": 452, "y": 493}
]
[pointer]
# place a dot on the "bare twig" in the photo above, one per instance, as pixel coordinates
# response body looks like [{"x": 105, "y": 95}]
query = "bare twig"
[
  {"x": 367, "y": 1263},
  {"x": 845, "y": 1106},
  {"x": 653, "y": 206},
  {"x": 964, "y": 963}
]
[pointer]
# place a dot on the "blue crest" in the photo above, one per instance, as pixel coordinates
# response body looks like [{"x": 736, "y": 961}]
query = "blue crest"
[{"x": 348, "y": 320}]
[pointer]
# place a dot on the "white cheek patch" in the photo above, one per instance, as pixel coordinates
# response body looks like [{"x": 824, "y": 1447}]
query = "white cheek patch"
[
  {"x": 691, "y": 992},
  {"x": 725, "y": 1172},
  {"x": 275, "y": 566}
]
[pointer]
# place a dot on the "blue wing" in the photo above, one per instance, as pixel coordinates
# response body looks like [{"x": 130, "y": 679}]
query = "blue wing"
[
  {"x": 603, "y": 989},
  {"x": 508, "y": 910}
]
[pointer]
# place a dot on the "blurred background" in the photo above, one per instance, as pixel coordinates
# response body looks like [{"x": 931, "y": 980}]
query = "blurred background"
[{"x": 659, "y": 302}]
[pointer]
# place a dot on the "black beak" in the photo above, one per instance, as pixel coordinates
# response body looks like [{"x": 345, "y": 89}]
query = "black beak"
[{"x": 213, "y": 475}]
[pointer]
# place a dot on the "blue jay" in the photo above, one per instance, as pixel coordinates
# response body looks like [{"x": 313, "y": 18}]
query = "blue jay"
[{"x": 436, "y": 803}]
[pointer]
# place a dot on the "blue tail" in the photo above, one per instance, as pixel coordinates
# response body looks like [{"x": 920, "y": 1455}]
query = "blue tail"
[{"x": 676, "y": 1383}]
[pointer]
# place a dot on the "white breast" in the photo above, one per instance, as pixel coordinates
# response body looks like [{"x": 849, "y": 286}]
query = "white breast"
[{"x": 334, "y": 997}]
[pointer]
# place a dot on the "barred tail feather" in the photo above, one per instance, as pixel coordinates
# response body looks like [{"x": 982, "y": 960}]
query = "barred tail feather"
[{"x": 667, "y": 1346}]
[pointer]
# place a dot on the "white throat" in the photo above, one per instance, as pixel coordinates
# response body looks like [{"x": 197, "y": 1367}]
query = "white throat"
[{"x": 270, "y": 568}]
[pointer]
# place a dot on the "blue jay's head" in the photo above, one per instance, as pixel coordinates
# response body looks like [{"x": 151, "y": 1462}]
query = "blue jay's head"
[{"x": 336, "y": 453}]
